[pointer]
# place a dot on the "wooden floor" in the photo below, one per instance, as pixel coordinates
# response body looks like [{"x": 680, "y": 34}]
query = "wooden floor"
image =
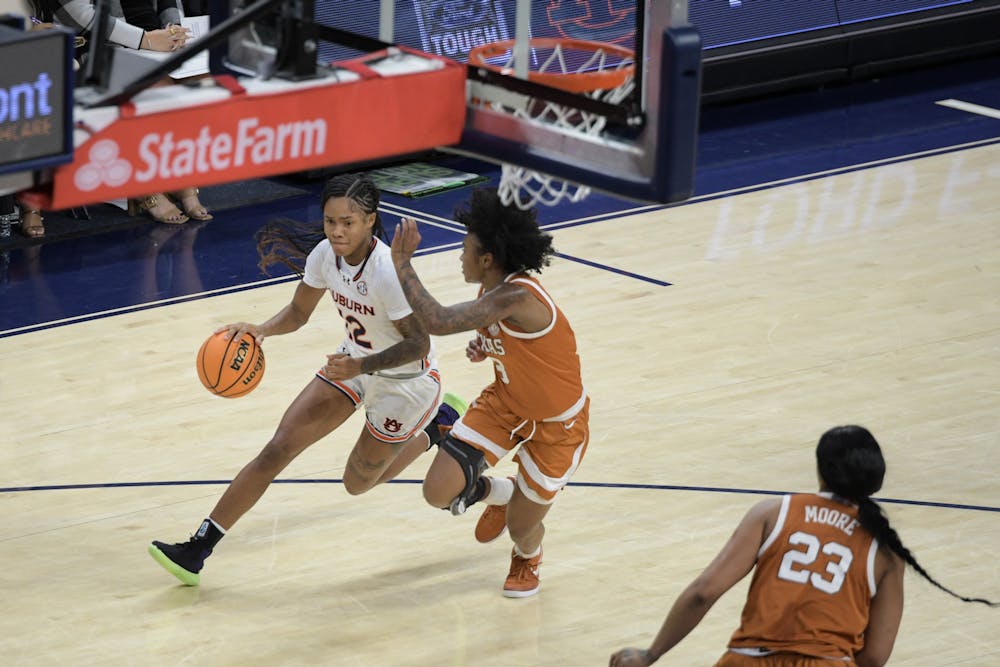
[{"x": 871, "y": 297}]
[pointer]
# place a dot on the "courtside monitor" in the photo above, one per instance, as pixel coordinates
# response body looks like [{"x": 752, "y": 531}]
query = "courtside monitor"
[{"x": 35, "y": 99}]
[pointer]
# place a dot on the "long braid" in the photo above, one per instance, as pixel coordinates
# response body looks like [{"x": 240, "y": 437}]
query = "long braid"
[
  {"x": 287, "y": 242},
  {"x": 850, "y": 462},
  {"x": 874, "y": 520}
]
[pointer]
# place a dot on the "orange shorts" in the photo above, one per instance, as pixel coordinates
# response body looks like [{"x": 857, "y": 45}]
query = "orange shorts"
[
  {"x": 549, "y": 453},
  {"x": 731, "y": 659}
]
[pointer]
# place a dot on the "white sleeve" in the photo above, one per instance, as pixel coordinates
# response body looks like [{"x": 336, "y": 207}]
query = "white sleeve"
[
  {"x": 314, "y": 275},
  {"x": 78, "y": 15},
  {"x": 126, "y": 34}
]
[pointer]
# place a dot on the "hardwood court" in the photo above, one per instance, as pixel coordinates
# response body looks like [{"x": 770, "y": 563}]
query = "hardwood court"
[{"x": 869, "y": 297}]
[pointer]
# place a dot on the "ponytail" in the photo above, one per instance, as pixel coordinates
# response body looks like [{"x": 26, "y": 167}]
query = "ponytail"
[
  {"x": 873, "y": 519},
  {"x": 851, "y": 465}
]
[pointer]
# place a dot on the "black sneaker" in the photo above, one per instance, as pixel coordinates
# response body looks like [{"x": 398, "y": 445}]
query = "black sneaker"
[{"x": 184, "y": 560}]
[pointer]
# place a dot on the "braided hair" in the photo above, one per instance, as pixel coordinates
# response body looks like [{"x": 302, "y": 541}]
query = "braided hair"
[
  {"x": 851, "y": 465},
  {"x": 361, "y": 190},
  {"x": 287, "y": 242},
  {"x": 510, "y": 234}
]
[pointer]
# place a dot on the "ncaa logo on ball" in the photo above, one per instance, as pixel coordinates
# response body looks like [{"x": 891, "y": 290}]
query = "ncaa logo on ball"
[{"x": 240, "y": 356}]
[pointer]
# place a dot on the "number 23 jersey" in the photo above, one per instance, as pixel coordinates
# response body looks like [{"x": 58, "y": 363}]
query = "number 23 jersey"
[{"x": 813, "y": 583}]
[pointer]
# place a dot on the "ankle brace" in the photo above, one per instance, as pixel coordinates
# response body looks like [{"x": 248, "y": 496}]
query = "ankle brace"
[{"x": 209, "y": 533}]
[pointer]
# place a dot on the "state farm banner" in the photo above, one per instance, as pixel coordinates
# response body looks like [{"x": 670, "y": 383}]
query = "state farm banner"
[{"x": 252, "y": 136}]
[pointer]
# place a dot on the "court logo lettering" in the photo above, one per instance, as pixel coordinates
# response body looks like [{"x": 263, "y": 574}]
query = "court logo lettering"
[{"x": 451, "y": 28}]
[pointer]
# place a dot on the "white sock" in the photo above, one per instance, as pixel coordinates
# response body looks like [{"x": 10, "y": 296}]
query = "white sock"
[
  {"x": 534, "y": 553},
  {"x": 217, "y": 526},
  {"x": 500, "y": 491}
]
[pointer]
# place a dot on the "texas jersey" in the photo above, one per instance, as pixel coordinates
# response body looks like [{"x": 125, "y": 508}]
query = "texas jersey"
[
  {"x": 815, "y": 577},
  {"x": 537, "y": 373},
  {"x": 368, "y": 298}
]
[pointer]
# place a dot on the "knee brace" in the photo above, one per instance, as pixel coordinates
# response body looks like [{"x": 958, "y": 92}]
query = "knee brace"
[{"x": 473, "y": 463}]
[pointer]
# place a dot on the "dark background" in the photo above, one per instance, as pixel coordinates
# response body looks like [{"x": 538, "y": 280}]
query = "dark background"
[{"x": 751, "y": 47}]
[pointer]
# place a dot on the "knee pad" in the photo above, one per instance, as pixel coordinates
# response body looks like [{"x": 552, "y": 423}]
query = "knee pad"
[{"x": 473, "y": 463}]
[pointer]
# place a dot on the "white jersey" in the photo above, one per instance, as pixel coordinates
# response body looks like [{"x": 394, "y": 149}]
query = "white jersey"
[{"x": 368, "y": 298}]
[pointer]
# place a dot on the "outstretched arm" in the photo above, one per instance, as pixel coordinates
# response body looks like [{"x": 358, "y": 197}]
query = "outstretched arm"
[
  {"x": 733, "y": 563},
  {"x": 440, "y": 320},
  {"x": 288, "y": 319}
]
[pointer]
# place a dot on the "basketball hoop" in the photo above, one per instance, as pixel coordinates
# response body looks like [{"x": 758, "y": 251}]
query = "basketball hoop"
[{"x": 601, "y": 71}]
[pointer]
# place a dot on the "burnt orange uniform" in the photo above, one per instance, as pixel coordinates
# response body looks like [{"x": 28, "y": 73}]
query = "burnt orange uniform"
[
  {"x": 537, "y": 400},
  {"x": 813, "y": 583}
]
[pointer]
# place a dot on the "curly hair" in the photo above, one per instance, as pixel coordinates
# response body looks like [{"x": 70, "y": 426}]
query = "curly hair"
[
  {"x": 287, "y": 242},
  {"x": 510, "y": 234}
]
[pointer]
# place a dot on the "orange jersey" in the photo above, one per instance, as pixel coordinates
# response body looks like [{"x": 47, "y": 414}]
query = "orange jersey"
[
  {"x": 537, "y": 374},
  {"x": 812, "y": 587}
]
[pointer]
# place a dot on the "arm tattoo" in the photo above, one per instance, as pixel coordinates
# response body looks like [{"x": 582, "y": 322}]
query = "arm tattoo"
[
  {"x": 415, "y": 345},
  {"x": 442, "y": 320}
]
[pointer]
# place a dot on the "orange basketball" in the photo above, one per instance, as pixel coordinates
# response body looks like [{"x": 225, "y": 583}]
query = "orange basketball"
[{"x": 230, "y": 368}]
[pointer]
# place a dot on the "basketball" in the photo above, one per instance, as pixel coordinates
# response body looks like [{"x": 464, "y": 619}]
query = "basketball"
[{"x": 230, "y": 368}]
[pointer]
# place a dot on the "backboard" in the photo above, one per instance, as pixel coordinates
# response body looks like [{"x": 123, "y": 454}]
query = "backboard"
[{"x": 645, "y": 146}]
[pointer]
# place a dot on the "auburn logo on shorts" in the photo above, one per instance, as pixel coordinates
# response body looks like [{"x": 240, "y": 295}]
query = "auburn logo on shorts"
[{"x": 391, "y": 425}]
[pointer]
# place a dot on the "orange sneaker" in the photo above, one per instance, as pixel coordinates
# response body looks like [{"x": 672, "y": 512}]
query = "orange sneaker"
[
  {"x": 522, "y": 581},
  {"x": 493, "y": 522}
]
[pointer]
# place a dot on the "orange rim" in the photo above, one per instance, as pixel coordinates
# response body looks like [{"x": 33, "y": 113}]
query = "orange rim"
[{"x": 574, "y": 82}]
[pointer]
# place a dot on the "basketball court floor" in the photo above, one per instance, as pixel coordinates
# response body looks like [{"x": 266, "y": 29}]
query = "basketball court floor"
[{"x": 840, "y": 263}]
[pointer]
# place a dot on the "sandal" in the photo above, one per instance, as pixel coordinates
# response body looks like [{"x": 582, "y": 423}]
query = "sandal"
[
  {"x": 31, "y": 223},
  {"x": 188, "y": 199},
  {"x": 157, "y": 207}
]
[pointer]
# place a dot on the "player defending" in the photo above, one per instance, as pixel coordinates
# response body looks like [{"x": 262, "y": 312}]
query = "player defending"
[
  {"x": 828, "y": 585},
  {"x": 536, "y": 404},
  {"x": 386, "y": 363}
]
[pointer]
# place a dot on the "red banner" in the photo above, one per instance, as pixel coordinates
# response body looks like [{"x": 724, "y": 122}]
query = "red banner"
[{"x": 255, "y": 135}]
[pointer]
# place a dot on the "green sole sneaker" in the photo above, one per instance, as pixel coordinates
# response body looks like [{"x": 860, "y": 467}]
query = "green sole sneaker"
[
  {"x": 186, "y": 578},
  {"x": 456, "y": 403}
]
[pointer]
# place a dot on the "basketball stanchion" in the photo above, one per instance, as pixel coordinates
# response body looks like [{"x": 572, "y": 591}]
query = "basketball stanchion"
[{"x": 601, "y": 71}]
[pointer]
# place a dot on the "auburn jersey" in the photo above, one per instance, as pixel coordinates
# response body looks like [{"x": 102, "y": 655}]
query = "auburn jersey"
[
  {"x": 815, "y": 577},
  {"x": 369, "y": 298},
  {"x": 537, "y": 373}
]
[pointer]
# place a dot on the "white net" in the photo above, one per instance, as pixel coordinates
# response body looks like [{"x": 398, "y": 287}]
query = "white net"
[{"x": 571, "y": 65}]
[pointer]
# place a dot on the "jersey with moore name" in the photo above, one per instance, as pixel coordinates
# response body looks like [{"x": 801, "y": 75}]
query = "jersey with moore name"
[
  {"x": 537, "y": 373},
  {"x": 815, "y": 577},
  {"x": 368, "y": 297}
]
